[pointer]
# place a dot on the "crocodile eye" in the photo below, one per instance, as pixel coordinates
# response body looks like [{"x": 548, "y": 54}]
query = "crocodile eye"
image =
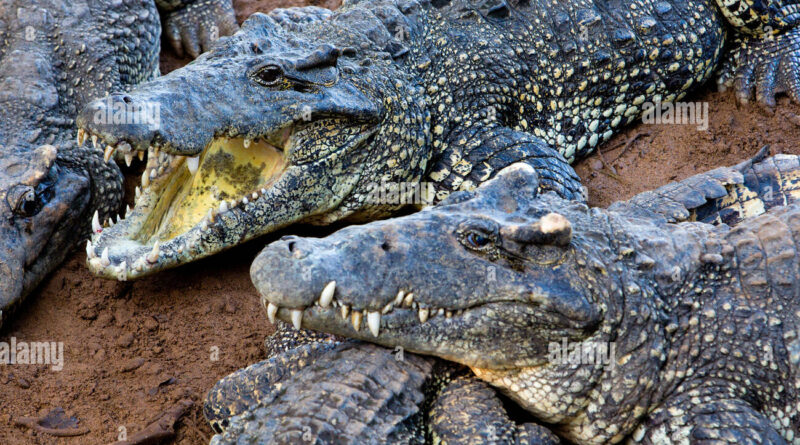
[
  {"x": 269, "y": 75},
  {"x": 477, "y": 240},
  {"x": 22, "y": 199}
]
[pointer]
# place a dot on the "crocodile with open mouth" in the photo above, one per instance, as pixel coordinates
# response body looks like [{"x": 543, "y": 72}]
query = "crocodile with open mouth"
[
  {"x": 55, "y": 57},
  {"x": 302, "y": 116},
  {"x": 696, "y": 322}
]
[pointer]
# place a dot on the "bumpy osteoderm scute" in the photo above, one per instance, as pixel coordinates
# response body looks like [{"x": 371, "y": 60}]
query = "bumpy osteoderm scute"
[{"x": 632, "y": 327}]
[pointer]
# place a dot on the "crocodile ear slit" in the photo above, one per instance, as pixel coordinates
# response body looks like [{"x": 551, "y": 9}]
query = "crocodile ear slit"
[{"x": 552, "y": 229}]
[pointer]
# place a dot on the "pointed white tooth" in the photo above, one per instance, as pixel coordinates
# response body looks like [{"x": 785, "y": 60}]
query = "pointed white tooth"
[
  {"x": 247, "y": 142},
  {"x": 440, "y": 312},
  {"x": 263, "y": 191},
  {"x": 128, "y": 159},
  {"x": 96, "y": 227},
  {"x": 81, "y": 136},
  {"x": 137, "y": 192},
  {"x": 327, "y": 294},
  {"x": 448, "y": 314},
  {"x": 122, "y": 271},
  {"x": 297, "y": 318},
  {"x": 345, "y": 311},
  {"x": 109, "y": 152},
  {"x": 388, "y": 308},
  {"x": 272, "y": 309},
  {"x": 374, "y": 322},
  {"x": 423, "y": 315},
  {"x": 153, "y": 174},
  {"x": 408, "y": 300},
  {"x": 128, "y": 209},
  {"x": 140, "y": 154},
  {"x": 356, "y": 319},
  {"x": 94, "y": 140},
  {"x": 254, "y": 196},
  {"x": 398, "y": 300},
  {"x": 204, "y": 225},
  {"x": 193, "y": 164},
  {"x": 104, "y": 258},
  {"x": 90, "y": 249},
  {"x": 223, "y": 206},
  {"x": 245, "y": 201},
  {"x": 145, "y": 179},
  {"x": 153, "y": 255}
]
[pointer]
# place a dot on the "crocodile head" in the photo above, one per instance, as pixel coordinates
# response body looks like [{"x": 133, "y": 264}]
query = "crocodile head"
[
  {"x": 270, "y": 128},
  {"x": 483, "y": 278}
]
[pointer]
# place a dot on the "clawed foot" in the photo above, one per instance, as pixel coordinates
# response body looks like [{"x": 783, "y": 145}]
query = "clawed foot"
[
  {"x": 194, "y": 29},
  {"x": 762, "y": 67}
]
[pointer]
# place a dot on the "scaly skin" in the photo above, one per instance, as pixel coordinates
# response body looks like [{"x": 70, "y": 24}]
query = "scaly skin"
[
  {"x": 702, "y": 318},
  {"x": 401, "y": 91},
  {"x": 55, "y": 57}
]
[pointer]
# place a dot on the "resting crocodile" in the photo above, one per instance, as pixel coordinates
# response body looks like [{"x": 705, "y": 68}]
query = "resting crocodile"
[
  {"x": 55, "y": 57},
  {"x": 318, "y": 390},
  {"x": 606, "y": 324},
  {"x": 312, "y": 116}
]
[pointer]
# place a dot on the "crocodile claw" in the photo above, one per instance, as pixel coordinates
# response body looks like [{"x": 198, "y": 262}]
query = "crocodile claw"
[
  {"x": 763, "y": 67},
  {"x": 194, "y": 29}
]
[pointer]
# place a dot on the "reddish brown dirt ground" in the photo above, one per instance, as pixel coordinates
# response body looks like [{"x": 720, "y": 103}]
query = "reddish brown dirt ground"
[{"x": 132, "y": 350}]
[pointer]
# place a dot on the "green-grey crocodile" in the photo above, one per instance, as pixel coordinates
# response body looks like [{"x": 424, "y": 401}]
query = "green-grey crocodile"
[
  {"x": 55, "y": 57},
  {"x": 608, "y": 325},
  {"x": 312, "y": 116}
]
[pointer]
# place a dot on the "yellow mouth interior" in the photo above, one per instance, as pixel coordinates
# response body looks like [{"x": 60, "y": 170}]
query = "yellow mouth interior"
[{"x": 227, "y": 171}]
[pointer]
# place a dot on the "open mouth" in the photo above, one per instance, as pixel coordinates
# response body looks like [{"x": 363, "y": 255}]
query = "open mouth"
[{"x": 182, "y": 199}]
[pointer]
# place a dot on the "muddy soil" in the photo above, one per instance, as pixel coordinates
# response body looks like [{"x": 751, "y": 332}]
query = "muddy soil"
[{"x": 134, "y": 350}]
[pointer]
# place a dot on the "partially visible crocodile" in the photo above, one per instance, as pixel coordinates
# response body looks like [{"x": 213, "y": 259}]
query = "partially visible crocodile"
[
  {"x": 302, "y": 116},
  {"x": 606, "y": 324},
  {"x": 351, "y": 392},
  {"x": 55, "y": 57}
]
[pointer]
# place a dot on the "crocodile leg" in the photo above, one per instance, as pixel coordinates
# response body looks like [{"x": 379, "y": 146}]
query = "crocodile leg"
[
  {"x": 726, "y": 195},
  {"x": 474, "y": 155},
  {"x": 194, "y": 25},
  {"x": 714, "y": 421},
  {"x": 765, "y": 56},
  {"x": 468, "y": 410}
]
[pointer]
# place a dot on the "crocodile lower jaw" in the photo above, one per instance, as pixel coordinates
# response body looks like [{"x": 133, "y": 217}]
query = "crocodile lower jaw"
[{"x": 180, "y": 199}]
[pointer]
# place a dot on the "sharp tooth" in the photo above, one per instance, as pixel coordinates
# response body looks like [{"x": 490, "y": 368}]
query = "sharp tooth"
[
  {"x": 388, "y": 308},
  {"x": 193, "y": 164},
  {"x": 440, "y": 311},
  {"x": 145, "y": 179},
  {"x": 153, "y": 255},
  {"x": 96, "y": 227},
  {"x": 90, "y": 250},
  {"x": 374, "y": 322},
  {"x": 327, "y": 294},
  {"x": 247, "y": 143},
  {"x": 81, "y": 136},
  {"x": 128, "y": 159},
  {"x": 109, "y": 152},
  {"x": 104, "y": 258},
  {"x": 423, "y": 315},
  {"x": 254, "y": 196},
  {"x": 122, "y": 274},
  {"x": 137, "y": 192},
  {"x": 223, "y": 206},
  {"x": 94, "y": 140},
  {"x": 204, "y": 225},
  {"x": 448, "y": 314},
  {"x": 356, "y": 319},
  {"x": 271, "y": 311},
  {"x": 245, "y": 201},
  {"x": 297, "y": 318},
  {"x": 128, "y": 209},
  {"x": 398, "y": 300},
  {"x": 408, "y": 300},
  {"x": 141, "y": 155},
  {"x": 263, "y": 191},
  {"x": 153, "y": 174},
  {"x": 345, "y": 311}
]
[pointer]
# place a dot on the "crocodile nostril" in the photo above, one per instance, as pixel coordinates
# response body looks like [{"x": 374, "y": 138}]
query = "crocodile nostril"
[
  {"x": 127, "y": 99},
  {"x": 386, "y": 246},
  {"x": 290, "y": 245}
]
